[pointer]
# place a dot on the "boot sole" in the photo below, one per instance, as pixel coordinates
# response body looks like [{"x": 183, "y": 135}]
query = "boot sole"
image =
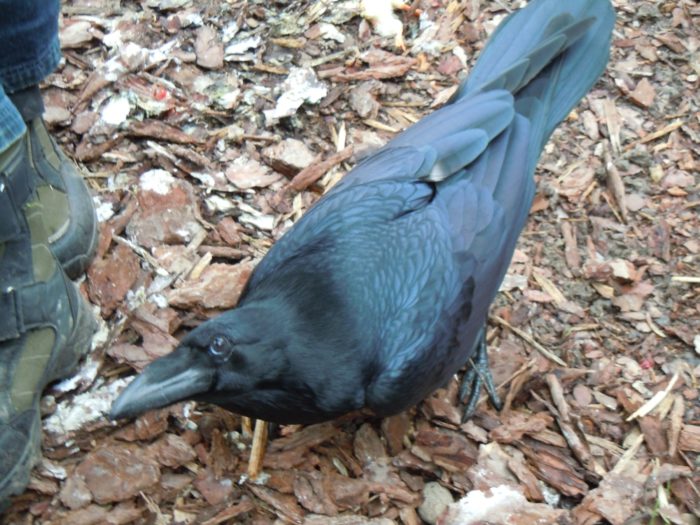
[{"x": 64, "y": 362}]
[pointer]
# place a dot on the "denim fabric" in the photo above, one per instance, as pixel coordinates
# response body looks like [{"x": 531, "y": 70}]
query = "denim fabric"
[
  {"x": 11, "y": 124},
  {"x": 29, "y": 50}
]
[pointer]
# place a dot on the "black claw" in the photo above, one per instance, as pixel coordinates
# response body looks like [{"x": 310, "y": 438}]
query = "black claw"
[{"x": 478, "y": 376}]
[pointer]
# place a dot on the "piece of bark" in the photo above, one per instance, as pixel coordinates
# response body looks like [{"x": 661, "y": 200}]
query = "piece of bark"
[
  {"x": 554, "y": 467},
  {"x": 690, "y": 438},
  {"x": 616, "y": 185},
  {"x": 161, "y": 131},
  {"x": 245, "y": 505},
  {"x": 287, "y": 506},
  {"x": 574, "y": 436},
  {"x": 526, "y": 477},
  {"x": 307, "y": 176},
  {"x": 676, "y": 424},
  {"x": 654, "y": 435},
  {"x": 571, "y": 253}
]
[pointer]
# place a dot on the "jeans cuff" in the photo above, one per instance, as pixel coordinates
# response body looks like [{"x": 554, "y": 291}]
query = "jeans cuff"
[
  {"x": 24, "y": 75},
  {"x": 12, "y": 126}
]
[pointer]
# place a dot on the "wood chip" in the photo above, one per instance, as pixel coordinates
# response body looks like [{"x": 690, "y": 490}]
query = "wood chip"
[
  {"x": 676, "y": 424},
  {"x": 643, "y": 95},
  {"x": 284, "y": 504},
  {"x": 571, "y": 252},
  {"x": 650, "y": 405},
  {"x": 316, "y": 170},
  {"x": 161, "y": 131},
  {"x": 673, "y": 126},
  {"x": 612, "y": 120},
  {"x": 690, "y": 438},
  {"x": 615, "y": 184}
]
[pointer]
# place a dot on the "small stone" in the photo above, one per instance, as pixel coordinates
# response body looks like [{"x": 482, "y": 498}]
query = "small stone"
[{"x": 436, "y": 499}]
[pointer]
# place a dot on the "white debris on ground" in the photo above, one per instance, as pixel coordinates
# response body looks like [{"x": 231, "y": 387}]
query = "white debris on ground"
[
  {"x": 116, "y": 111},
  {"x": 300, "y": 86},
  {"x": 502, "y": 505},
  {"x": 73, "y": 414},
  {"x": 103, "y": 209},
  {"x": 158, "y": 181}
]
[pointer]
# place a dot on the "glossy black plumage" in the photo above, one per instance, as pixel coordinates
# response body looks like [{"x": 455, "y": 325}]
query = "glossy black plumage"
[{"x": 376, "y": 296}]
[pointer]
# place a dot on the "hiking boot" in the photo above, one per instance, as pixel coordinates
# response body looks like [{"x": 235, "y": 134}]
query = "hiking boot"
[
  {"x": 45, "y": 325},
  {"x": 69, "y": 215}
]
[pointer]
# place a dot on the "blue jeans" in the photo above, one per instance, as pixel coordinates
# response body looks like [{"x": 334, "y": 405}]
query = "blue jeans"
[{"x": 29, "y": 51}]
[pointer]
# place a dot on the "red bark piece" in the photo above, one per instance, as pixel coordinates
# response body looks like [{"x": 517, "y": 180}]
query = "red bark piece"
[
  {"x": 117, "y": 473},
  {"x": 246, "y": 173},
  {"x": 229, "y": 230},
  {"x": 75, "y": 493},
  {"x": 367, "y": 446},
  {"x": 219, "y": 286},
  {"x": 394, "y": 429},
  {"x": 172, "y": 451},
  {"x": 110, "y": 278},
  {"x": 215, "y": 491},
  {"x": 285, "y": 505},
  {"x": 167, "y": 213},
  {"x": 311, "y": 491}
]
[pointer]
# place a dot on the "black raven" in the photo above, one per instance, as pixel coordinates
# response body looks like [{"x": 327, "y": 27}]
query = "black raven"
[{"x": 380, "y": 292}]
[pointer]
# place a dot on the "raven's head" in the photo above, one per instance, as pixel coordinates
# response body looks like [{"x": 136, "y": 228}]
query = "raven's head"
[{"x": 226, "y": 360}]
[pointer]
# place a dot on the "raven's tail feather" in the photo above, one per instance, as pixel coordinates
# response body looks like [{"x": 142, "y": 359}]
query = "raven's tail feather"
[{"x": 551, "y": 51}]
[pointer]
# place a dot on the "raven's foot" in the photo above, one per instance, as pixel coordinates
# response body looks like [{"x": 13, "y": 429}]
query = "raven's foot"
[{"x": 477, "y": 376}]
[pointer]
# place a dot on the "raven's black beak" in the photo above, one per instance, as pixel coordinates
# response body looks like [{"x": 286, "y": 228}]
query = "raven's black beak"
[{"x": 175, "y": 377}]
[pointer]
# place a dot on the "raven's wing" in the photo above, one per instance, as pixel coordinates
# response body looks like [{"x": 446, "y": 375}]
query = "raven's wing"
[
  {"x": 453, "y": 138},
  {"x": 482, "y": 214}
]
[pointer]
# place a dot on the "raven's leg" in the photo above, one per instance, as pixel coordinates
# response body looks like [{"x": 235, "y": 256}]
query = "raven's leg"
[
  {"x": 477, "y": 376},
  {"x": 257, "y": 449}
]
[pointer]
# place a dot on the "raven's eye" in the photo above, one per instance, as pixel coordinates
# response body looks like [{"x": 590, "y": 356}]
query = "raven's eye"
[{"x": 220, "y": 348}]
